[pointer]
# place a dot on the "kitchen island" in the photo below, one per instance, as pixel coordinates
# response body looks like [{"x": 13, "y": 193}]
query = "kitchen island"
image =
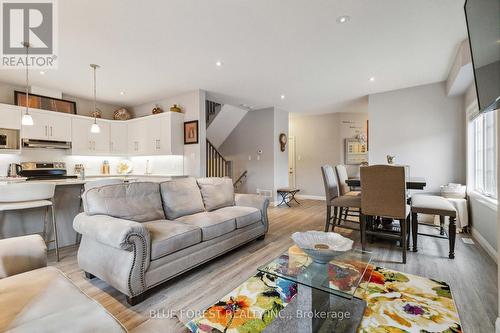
[{"x": 67, "y": 205}]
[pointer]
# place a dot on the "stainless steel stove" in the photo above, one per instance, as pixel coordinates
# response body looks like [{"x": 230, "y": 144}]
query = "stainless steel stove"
[{"x": 44, "y": 170}]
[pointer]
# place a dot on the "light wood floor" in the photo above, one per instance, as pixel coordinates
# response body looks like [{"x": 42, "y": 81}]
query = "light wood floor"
[{"x": 472, "y": 275}]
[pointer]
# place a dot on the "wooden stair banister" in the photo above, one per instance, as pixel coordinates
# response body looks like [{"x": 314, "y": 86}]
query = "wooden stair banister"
[
  {"x": 240, "y": 178},
  {"x": 217, "y": 165}
]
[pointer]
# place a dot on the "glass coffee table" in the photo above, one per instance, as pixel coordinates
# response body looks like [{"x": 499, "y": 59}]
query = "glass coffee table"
[{"x": 325, "y": 299}]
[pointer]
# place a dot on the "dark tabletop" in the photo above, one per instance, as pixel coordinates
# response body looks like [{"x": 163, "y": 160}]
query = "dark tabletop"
[{"x": 413, "y": 183}]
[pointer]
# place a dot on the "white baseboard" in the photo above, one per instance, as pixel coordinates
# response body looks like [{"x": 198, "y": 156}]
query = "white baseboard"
[
  {"x": 488, "y": 248},
  {"x": 310, "y": 197},
  {"x": 497, "y": 325}
]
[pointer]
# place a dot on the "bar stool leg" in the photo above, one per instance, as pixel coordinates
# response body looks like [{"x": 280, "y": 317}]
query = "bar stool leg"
[
  {"x": 362, "y": 228},
  {"x": 452, "y": 233},
  {"x": 54, "y": 226},
  {"x": 45, "y": 222},
  {"x": 414, "y": 231},
  {"x": 328, "y": 217},
  {"x": 441, "y": 225}
]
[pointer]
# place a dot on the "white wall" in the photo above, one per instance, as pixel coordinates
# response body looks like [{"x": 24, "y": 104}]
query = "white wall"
[
  {"x": 319, "y": 140},
  {"x": 424, "y": 129},
  {"x": 193, "y": 107},
  {"x": 226, "y": 120},
  {"x": 259, "y": 130}
]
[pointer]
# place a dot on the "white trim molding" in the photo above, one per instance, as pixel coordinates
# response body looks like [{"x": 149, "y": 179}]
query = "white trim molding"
[
  {"x": 497, "y": 325},
  {"x": 310, "y": 197},
  {"x": 487, "y": 247}
]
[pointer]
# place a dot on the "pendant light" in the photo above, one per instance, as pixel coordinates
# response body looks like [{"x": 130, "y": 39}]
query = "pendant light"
[
  {"x": 27, "y": 120},
  {"x": 95, "y": 127}
]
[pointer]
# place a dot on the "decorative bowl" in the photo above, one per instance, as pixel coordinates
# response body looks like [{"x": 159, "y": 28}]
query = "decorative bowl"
[
  {"x": 322, "y": 247},
  {"x": 124, "y": 167},
  {"x": 122, "y": 114}
]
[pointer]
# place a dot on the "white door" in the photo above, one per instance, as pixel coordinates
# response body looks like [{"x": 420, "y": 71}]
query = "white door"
[
  {"x": 291, "y": 161},
  {"x": 58, "y": 127},
  {"x": 118, "y": 138},
  {"x": 81, "y": 141},
  {"x": 100, "y": 141},
  {"x": 40, "y": 128}
]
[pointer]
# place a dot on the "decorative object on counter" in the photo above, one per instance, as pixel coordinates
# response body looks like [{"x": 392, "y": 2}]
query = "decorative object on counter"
[
  {"x": 79, "y": 170},
  {"x": 175, "y": 108},
  {"x": 282, "y": 140},
  {"x": 95, "y": 127},
  {"x": 122, "y": 114},
  {"x": 156, "y": 110},
  {"x": 124, "y": 167},
  {"x": 322, "y": 246},
  {"x": 148, "y": 168},
  {"x": 105, "y": 168},
  {"x": 191, "y": 132},
  {"x": 391, "y": 159}
]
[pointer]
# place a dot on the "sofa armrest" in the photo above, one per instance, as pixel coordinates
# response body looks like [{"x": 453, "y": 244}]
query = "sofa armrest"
[
  {"x": 111, "y": 231},
  {"x": 22, "y": 254},
  {"x": 256, "y": 201}
]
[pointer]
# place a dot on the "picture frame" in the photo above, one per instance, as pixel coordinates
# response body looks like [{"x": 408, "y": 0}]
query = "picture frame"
[
  {"x": 191, "y": 132},
  {"x": 44, "y": 102}
]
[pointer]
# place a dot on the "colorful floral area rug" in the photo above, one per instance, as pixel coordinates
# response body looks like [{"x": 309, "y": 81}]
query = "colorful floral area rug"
[{"x": 396, "y": 302}]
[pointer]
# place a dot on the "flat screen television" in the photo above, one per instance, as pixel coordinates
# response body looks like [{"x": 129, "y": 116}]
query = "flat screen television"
[{"x": 483, "y": 24}]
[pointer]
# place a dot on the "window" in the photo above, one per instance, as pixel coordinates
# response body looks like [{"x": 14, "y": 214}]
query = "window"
[{"x": 484, "y": 132}]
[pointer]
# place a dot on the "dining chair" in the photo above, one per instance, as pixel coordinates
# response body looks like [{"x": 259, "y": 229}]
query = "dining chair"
[
  {"x": 344, "y": 189},
  {"x": 28, "y": 195},
  {"x": 338, "y": 202},
  {"x": 384, "y": 195}
]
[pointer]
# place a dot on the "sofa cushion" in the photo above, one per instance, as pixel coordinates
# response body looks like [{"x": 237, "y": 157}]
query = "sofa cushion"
[
  {"x": 171, "y": 236},
  {"x": 44, "y": 300},
  {"x": 138, "y": 201},
  {"x": 244, "y": 215},
  {"x": 212, "y": 224},
  {"x": 216, "y": 192},
  {"x": 181, "y": 196}
]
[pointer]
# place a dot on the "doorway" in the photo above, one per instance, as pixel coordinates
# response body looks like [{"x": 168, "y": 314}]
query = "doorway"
[{"x": 291, "y": 162}]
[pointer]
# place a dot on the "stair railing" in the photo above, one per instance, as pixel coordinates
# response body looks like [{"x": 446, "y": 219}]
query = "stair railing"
[
  {"x": 217, "y": 166},
  {"x": 240, "y": 179}
]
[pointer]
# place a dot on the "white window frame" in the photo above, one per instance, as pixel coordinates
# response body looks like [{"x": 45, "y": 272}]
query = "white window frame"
[{"x": 483, "y": 133}]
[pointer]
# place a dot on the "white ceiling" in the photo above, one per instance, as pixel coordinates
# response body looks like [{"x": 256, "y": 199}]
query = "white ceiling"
[{"x": 153, "y": 49}]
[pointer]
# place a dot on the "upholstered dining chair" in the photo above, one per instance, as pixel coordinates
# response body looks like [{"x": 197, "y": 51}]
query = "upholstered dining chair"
[
  {"x": 344, "y": 189},
  {"x": 333, "y": 199},
  {"x": 383, "y": 194}
]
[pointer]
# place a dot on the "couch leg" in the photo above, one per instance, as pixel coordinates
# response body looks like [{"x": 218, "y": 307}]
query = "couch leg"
[
  {"x": 261, "y": 237},
  {"x": 135, "y": 299},
  {"x": 89, "y": 276}
]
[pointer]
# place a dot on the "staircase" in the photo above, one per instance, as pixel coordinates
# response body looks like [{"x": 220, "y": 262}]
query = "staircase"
[
  {"x": 212, "y": 110},
  {"x": 217, "y": 166}
]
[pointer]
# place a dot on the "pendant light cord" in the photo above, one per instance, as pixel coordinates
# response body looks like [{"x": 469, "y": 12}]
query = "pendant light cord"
[
  {"x": 27, "y": 45},
  {"x": 95, "y": 97}
]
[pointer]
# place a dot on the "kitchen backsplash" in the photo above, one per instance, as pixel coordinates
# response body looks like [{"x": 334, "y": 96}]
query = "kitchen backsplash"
[{"x": 158, "y": 165}]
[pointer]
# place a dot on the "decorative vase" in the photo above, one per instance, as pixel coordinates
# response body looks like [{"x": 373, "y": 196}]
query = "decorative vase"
[
  {"x": 122, "y": 114},
  {"x": 156, "y": 110},
  {"x": 175, "y": 108},
  {"x": 96, "y": 114}
]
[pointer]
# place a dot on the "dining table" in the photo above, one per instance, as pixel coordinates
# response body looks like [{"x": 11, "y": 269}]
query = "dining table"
[{"x": 412, "y": 183}]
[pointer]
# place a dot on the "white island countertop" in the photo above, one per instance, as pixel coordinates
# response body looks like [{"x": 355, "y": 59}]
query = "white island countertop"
[{"x": 89, "y": 178}]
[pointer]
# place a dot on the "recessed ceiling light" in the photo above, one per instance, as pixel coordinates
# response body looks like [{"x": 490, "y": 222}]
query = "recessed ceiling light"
[
  {"x": 282, "y": 96},
  {"x": 343, "y": 19},
  {"x": 372, "y": 79},
  {"x": 122, "y": 93},
  {"x": 218, "y": 63},
  {"x": 42, "y": 73}
]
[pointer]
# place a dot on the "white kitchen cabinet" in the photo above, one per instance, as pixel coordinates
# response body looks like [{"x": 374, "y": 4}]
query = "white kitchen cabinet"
[
  {"x": 118, "y": 144},
  {"x": 157, "y": 135},
  {"x": 48, "y": 125},
  {"x": 138, "y": 137},
  {"x": 10, "y": 116},
  {"x": 85, "y": 142}
]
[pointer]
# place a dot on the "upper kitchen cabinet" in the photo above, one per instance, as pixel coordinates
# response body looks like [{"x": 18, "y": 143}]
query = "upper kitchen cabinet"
[
  {"x": 48, "y": 125},
  {"x": 85, "y": 142},
  {"x": 10, "y": 116},
  {"x": 118, "y": 144},
  {"x": 157, "y": 135}
]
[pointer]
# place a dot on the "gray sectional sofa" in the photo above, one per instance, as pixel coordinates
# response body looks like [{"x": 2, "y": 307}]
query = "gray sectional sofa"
[{"x": 136, "y": 236}]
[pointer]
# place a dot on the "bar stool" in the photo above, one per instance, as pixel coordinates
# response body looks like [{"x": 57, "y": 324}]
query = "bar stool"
[
  {"x": 93, "y": 184},
  {"x": 21, "y": 196}
]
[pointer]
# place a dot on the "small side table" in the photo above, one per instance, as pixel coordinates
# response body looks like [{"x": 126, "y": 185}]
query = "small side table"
[{"x": 287, "y": 195}]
